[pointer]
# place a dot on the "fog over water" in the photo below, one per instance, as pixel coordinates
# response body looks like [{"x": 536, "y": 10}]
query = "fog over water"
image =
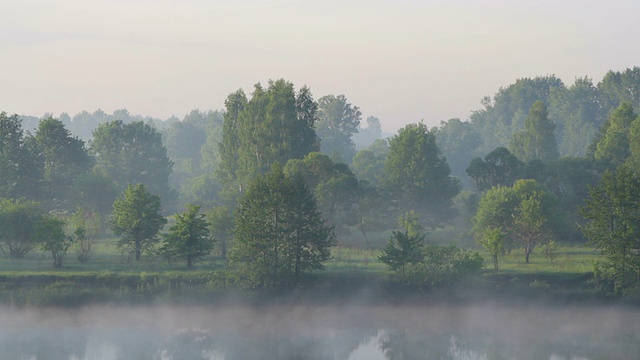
[{"x": 325, "y": 332}]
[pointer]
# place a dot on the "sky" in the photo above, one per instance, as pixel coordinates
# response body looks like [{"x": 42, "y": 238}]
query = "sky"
[{"x": 402, "y": 61}]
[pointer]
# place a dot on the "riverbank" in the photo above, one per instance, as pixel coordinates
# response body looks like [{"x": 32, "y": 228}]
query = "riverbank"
[{"x": 33, "y": 289}]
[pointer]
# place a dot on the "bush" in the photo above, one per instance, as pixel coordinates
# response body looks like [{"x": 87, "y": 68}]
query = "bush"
[{"x": 443, "y": 266}]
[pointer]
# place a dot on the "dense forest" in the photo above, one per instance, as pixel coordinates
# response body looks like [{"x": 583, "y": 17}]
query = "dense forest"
[{"x": 276, "y": 179}]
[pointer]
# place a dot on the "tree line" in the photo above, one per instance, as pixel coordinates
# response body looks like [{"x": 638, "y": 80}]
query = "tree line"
[{"x": 504, "y": 176}]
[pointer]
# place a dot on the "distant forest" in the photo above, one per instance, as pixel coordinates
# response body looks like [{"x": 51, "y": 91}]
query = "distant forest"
[{"x": 536, "y": 159}]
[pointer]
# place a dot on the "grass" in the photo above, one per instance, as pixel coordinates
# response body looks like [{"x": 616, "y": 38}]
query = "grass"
[{"x": 112, "y": 275}]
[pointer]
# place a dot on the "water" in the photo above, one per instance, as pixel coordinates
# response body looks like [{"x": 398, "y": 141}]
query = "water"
[{"x": 328, "y": 332}]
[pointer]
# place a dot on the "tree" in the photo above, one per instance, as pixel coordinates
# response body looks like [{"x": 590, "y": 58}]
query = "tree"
[
  {"x": 418, "y": 175},
  {"x": 220, "y": 220},
  {"x": 367, "y": 166},
  {"x": 505, "y": 113},
  {"x": 275, "y": 125},
  {"x": 524, "y": 211},
  {"x": 53, "y": 238},
  {"x": 459, "y": 142},
  {"x": 613, "y": 145},
  {"x": 132, "y": 154},
  {"x": 492, "y": 241},
  {"x": 279, "y": 233},
  {"x": 137, "y": 218},
  {"x": 338, "y": 120},
  {"x": 365, "y": 136},
  {"x": 401, "y": 250},
  {"x": 94, "y": 193},
  {"x": 334, "y": 186},
  {"x": 537, "y": 141},
  {"x": 499, "y": 168},
  {"x": 65, "y": 158},
  {"x": 20, "y": 226},
  {"x": 189, "y": 237},
  {"x": 20, "y": 168},
  {"x": 612, "y": 215},
  {"x": 578, "y": 113},
  {"x": 620, "y": 86},
  {"x": 530, "y": 223}
]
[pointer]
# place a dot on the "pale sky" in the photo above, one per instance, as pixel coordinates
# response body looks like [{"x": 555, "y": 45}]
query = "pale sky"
[{"x": 400, "y": 60}]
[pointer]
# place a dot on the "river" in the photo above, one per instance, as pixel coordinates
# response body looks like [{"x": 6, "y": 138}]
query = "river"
[{"x": 322, "y": 332}]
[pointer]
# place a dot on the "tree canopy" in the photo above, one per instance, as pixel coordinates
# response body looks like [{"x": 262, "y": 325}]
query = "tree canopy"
[
  {"x": 137, "y": 218},
  {"x": 418, "y": 175},
  {"x": 279, "y": 232}
]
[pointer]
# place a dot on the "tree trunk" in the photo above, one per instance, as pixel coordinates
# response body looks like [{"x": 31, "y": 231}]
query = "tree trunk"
[{"x": 189, "y": 262}]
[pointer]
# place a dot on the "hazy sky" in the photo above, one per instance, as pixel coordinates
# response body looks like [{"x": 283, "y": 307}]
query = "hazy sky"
[{"x": 400, "y": 60}]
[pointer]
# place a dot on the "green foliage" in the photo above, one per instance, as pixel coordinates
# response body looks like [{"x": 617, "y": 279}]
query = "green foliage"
[
  {"x": 505, "y": 114},
  {"x": 220, "y": 220},
  {"x": 334, "y": 186},
  {"x": 530, "y": 222},
  {"x": 132, "y": 154},
  {"x": 338, "y": 120},
  {"x": 578, "y": 113},
  {"x": 443, "y": 266},
  {"x": 275, "y": 125},
  {"x": 418, "y": 176},
  {"x": 367, "y": 166},
  {"x": 613, "y": 226},
  {"x": 459, "y": 142},
  {"x": 499, "y": 168},
  {"x": 613, "y": 145},
  {"x": 22, "y": 223},
  {"x": 401, "y": 251},
  {"x": 85, "y": 230},
  {"x": 279, "y": 232},
  {"x": 537, "y": 140},
  {"x": 21, "y": 169},
  {"x": 493, "y": 242},
  {"x": 53, "y": 238},
  {"x": 189, "y": 237},
  {"x": 65, "y": 159},
  {"x": 137, "y": 218},
  {"x": 523, "y": 210}
]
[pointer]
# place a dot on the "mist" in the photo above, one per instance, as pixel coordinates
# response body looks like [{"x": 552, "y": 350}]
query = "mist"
[{"x": 352, "y": 332}]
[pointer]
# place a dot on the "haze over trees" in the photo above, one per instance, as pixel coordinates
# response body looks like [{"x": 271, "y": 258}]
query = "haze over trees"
[{"x": 278, "y": 178}]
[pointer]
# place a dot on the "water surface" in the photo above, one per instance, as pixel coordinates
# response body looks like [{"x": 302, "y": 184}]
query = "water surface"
[{"x": 324, "y": 332}]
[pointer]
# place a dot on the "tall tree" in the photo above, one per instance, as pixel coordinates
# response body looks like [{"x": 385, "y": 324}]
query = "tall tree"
[
  {"x": 137, "y": 218},
  {"x": 21, "y": 169},
  {"x": 578, "y": 113},
  {"x": 505, "y": 113},
  {"x": 65, "y": 159},
  {"x": 338, "y": 121},
  {"x": 612, "y": 214},
  {"x": 275, "y": 125},
  {"x": 613, "y": 143},
  {"x": 459, "y": 142},
  {"x": 234, "y": 105},
  {"x": 419, "y": 176},
  {"x": 132, "y": 154},
  {"x": 189, "y": 237},
  {"x": 537, "y": 141},
  {"x": 279, "y": 232},
  {"x": 621, "y": 86}
]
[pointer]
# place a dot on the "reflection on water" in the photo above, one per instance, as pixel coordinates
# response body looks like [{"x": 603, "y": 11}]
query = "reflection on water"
[{"x": 349, "y": 333}]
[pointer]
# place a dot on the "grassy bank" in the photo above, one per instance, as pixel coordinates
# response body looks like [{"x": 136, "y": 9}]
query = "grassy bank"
[{"x": 352, "y": 275}]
